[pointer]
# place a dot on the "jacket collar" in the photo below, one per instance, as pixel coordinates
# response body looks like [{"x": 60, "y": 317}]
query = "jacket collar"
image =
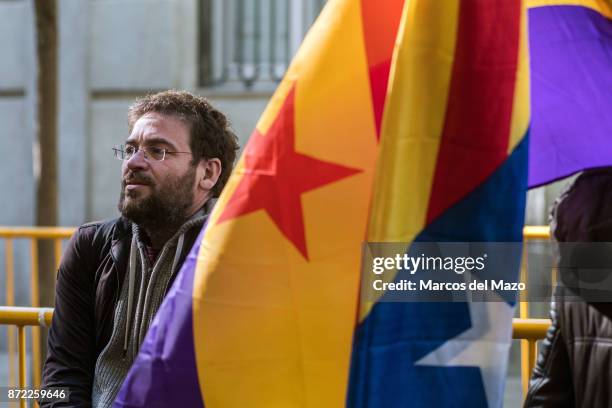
[{"x": 120, "y": 243}]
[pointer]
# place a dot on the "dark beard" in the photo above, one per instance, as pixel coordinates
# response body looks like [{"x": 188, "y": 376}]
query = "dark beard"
[{"x": 166, "y": 207}]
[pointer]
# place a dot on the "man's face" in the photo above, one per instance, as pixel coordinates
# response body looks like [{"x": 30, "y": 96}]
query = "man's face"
[{"x": 159, "y": 192}]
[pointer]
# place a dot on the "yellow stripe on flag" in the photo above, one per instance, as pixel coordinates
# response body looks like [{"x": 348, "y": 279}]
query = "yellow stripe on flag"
[
  {"x": 413, "y": 123},
  {"x": 521, "y": 107},
  {"x": 413, "y": 120},
  {"x": 601, "y": 6}
]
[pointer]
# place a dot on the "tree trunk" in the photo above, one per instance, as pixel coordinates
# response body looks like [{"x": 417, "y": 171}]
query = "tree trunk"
[{"x": 46, "y": 157}]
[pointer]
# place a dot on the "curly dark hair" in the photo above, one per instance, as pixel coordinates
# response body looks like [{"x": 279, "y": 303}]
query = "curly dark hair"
[{"x": 211, "y": 134}]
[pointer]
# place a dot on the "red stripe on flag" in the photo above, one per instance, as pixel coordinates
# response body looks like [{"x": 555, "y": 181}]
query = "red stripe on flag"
[
  {"x": 380, "y": 23},
  {"x": 477, "y": 125}
]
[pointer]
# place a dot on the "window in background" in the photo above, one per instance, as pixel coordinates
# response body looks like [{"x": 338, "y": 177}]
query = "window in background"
[{"x": 248, "y": 42}]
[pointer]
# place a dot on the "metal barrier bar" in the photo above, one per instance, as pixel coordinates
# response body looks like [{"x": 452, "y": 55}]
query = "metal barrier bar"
[
  {"x": 57, "y": 234},
  {"x": 22, "y": 362},
  {"x": 524, "y": 314},
  {"x": 529, "y": 331},
  {"x": 57, "y": 249},
  {"x": 22, "y": 317},
  {"x": 10, "y": 301},
  {"x": 529, "y": 348},
  {"x": 35, "y": 293},
  {"x": 26, "y": 316},
  {"x": 36, "y": 232},
  {"x": 536, "y": 232}
]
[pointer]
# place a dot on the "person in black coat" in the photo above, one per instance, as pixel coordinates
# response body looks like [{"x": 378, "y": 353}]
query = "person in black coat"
[{"x": 574, "y": 367}]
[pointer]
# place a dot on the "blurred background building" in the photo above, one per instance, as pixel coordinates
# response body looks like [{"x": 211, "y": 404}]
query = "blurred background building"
[{"x": 110, "y": 52}]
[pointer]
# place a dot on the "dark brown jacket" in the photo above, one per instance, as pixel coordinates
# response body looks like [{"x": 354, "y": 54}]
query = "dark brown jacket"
[
  {"x": 88, "y": 283},
  {"x": 574, "y": 368}
]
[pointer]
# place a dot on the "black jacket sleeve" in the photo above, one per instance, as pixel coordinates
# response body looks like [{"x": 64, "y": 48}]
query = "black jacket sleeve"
[
  {"x": 551, "y": 383},
  {"x": 71, "y": 344}
]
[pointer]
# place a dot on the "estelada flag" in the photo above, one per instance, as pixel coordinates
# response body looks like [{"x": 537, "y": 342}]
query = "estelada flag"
[
  {"x": 452, "y": 168},
  {"x": 263, "y": 314}
]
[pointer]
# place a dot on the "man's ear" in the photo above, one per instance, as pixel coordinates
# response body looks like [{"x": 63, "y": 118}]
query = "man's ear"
[{"x": 210, "y": 174}]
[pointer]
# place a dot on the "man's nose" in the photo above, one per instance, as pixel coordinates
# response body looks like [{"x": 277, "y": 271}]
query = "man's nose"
[{"x": 137, "y": 161}]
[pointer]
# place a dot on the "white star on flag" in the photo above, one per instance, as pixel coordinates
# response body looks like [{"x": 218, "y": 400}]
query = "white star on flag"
[{"x": 484, "y": 345}]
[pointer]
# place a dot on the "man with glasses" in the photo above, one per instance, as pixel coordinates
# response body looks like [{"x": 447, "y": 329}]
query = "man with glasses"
[{"x": 115, "y": 274}]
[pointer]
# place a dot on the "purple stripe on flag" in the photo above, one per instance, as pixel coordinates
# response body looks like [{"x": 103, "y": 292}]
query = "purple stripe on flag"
[
  {"x": 571, "y": 91},
  {"x": 164, "y": 373}
]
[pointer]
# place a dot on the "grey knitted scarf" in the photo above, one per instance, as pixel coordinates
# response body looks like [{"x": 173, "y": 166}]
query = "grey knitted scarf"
[{"x": 141, "y": 295}]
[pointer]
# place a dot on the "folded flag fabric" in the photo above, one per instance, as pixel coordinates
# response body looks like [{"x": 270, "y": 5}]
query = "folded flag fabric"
[
  {"x": 270, "y": 319},
  {"x": 452, "y": 168},
  {"x": 571, "y": 87}
]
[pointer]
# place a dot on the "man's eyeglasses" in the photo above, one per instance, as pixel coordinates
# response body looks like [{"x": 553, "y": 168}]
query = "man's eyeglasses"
[{"x": 123, "y": 152}]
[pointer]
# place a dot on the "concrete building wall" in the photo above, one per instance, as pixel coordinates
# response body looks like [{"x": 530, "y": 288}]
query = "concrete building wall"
[
  {"x": 113, "y": 52},
  {"x": 16, "y": 113}
]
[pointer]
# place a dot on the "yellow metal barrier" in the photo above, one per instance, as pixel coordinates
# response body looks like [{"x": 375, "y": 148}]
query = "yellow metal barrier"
[
  {"x": 528, "y": 345},
  {"x": 9, "y": 234},
  {"x": 22, "y": 317},
  {"x": 530, "y": 330},
  {"x": 536, "y": 232}
]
